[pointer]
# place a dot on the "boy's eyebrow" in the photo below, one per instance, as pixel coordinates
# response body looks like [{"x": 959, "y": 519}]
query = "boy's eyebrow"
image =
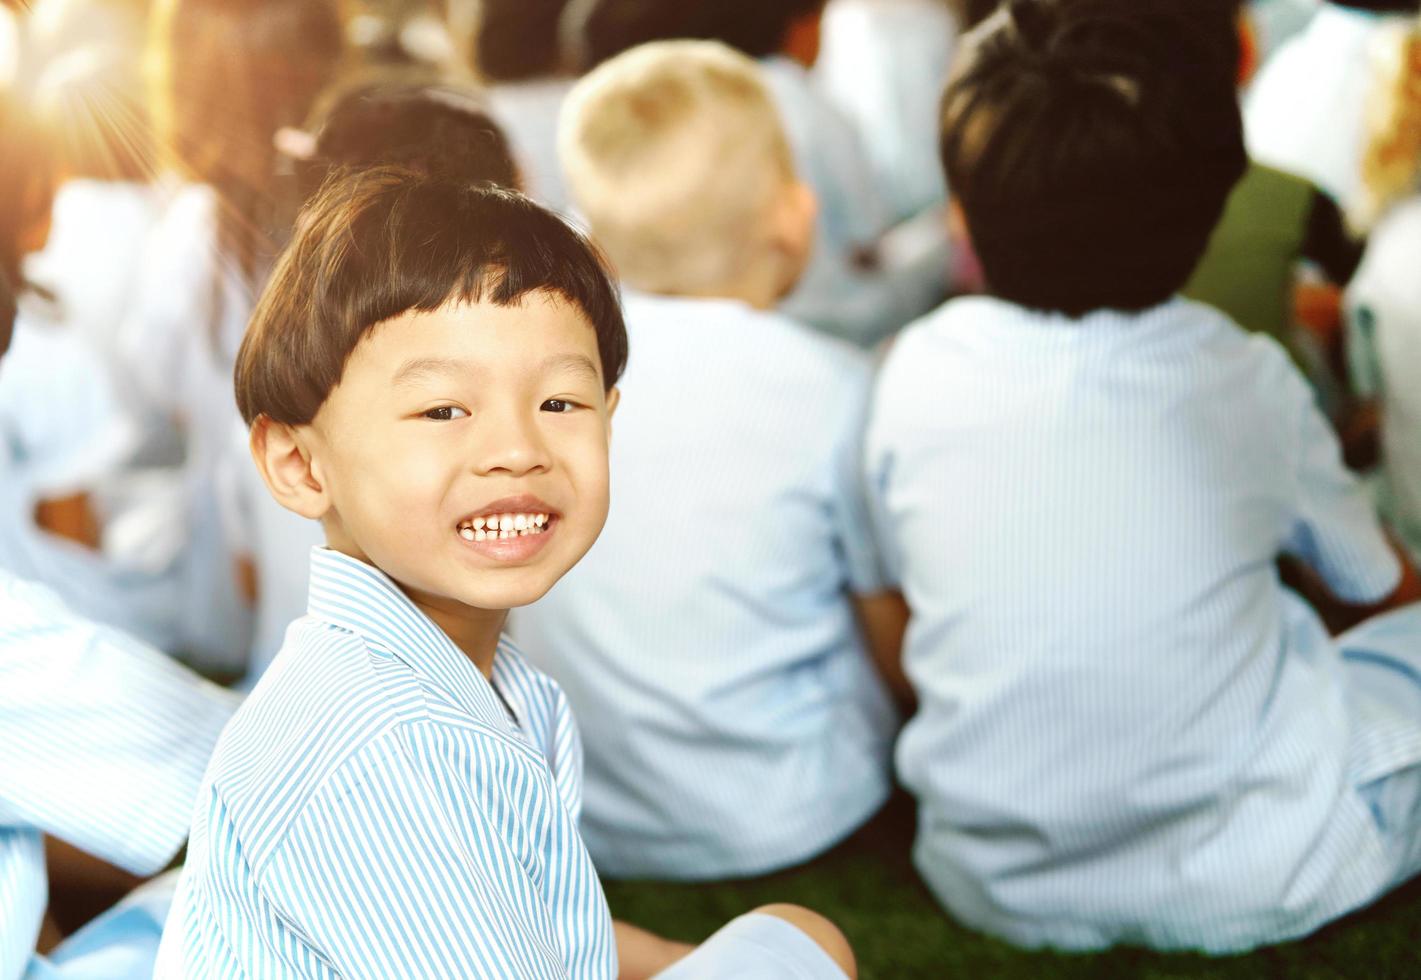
[
  {"x": 573, "y": 363},
  {"x": 416, "y": 369}
]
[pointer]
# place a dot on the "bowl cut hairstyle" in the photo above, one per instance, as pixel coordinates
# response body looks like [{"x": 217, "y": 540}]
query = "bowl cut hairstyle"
[
  {"x": 375, "y": 244},
  {"x": 1092, "y": 145}
]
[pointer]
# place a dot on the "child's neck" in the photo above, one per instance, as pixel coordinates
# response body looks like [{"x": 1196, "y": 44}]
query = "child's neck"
[
  {"x": 474, "y": 631},
  {"x": 761, "y": 290}
]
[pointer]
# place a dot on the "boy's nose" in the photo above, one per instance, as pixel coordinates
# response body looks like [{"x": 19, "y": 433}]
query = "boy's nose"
[{"x": 511, "y": 444}]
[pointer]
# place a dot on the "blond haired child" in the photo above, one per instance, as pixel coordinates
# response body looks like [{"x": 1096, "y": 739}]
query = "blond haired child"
[{"x": 713, "y": 641}]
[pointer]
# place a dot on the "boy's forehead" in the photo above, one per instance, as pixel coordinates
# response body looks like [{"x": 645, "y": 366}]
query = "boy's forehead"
[{"x": 540, "y": 331}]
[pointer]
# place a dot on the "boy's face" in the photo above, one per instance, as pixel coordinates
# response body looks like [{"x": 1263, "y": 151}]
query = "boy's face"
[{"x": 464, "y": 452}]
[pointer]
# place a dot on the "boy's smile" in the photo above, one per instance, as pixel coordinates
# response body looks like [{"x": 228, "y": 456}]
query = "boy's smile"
[{"x": 464, "y": 453}]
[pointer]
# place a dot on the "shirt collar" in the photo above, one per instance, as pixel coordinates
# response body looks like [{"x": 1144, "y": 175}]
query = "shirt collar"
[{"x": 355, "y": 596}]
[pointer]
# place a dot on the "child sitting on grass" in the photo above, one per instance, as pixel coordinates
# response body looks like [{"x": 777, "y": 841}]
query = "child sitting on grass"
[
  {"x": 1129, "y": 731},
  {"x": 430, "y": 375},
  {"x": 721, "y": 665}
]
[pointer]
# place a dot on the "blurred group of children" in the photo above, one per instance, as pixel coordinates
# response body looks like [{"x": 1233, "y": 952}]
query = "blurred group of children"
[{"x": 756, "y": 494}]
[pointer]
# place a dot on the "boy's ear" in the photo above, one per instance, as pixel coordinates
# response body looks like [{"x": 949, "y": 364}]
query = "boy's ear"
[
  {"x": 284, "y": 461},
  {"x": 614, "y": 398},
  {"x": 792, "y": 229}
]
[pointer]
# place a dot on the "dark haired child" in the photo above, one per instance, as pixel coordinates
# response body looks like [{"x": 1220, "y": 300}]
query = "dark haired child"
[
  {"x": 864, "y": 279},
  {"x": 1129, "y": 731},
  {"x": 399, "y": 794},
  {"x": 383, "y": 118},
  {"x": 225, "y": 76}
]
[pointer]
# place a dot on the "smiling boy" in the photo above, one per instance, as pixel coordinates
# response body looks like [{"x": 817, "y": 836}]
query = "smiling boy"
[{"x": 430, "y": 374}]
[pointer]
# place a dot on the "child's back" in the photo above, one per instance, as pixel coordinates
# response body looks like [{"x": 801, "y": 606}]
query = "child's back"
[
  {"x": 1116, "y": 694},
  {"x": 712, "y": 614},
  {"x": 1129, "y": 730},
  {"x": 735, "y": 722}
]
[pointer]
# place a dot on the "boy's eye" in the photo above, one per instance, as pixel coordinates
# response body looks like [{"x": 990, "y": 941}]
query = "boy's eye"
[
  {"x": 558, "y": 405},
  {"x": 446, "y": 413}
]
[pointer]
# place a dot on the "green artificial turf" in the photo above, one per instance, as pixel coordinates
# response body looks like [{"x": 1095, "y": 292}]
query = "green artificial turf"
[{"x": 869, "y": 888}]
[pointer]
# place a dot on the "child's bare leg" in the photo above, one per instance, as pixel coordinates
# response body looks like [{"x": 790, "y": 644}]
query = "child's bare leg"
[{"x": 819, "y": 929}]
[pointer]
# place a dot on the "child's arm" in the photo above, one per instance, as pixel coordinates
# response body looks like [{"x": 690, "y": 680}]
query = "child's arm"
[
  {"x": 884, "y": 620},
  {"x": 643, "y": 954}
]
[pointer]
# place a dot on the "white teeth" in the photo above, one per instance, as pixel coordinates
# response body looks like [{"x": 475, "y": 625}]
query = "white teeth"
[{"x": 499, "y": 527}]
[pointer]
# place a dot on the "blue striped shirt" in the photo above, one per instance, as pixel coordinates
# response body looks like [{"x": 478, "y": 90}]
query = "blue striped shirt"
[
  {"x": 374, "y": 811},
  {"x": 1128, "y": 730},
  {"x": 733, "y": 721},
  {"x": 102, "y": 744}
]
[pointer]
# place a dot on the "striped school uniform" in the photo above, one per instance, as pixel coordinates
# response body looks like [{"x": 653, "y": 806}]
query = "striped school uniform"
[
  {"x": 102, "y": 744},
  {"x": 1129, "y": 731},
  {"x": 379, "y": 809}
]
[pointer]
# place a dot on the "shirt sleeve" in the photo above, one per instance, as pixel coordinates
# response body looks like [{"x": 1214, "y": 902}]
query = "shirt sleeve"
[
  {"x": 1335, "y": 526},
  {"x": 442, "y": 852},
  {"x": 104, "y": 740}
]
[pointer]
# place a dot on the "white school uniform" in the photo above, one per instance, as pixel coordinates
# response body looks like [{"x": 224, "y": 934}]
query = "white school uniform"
[
  {"x": 102, "y": 744},
  {"x": 733, "y": 721},
  {"x": 92, "y": 263},
  {"x": 884, "y": 64},
  {"x": 1128, "y": 730},
  {"x": 1306, "y": 110},
  {"x": 379, "y": 808},
  {"x": 527, "y": 112},
  {"x": 1384, "y": 349},
  {"x": 61, "y": 434},
  {"x": 179, "y": 344},
  {"x": 838, "y": 293}
]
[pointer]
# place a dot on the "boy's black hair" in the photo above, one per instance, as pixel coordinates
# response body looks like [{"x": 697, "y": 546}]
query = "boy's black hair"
[
  {"x": 1092, "y": 145},
  {"x": 757, "y": 28},
  {"x": 378, "y": 243},
  {"x": 519, "y": 39},
  {"x": 431, "y": 128},
  {"x": 8, "y": 312}
]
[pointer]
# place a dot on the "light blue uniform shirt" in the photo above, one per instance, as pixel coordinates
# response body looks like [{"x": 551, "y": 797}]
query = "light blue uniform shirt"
[
  {"x": 1129, "y": 730},
  {"x": 102, "y": 744},
  {"x": 733, "y": 721},
  {"x": 374, "y": 811}
]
